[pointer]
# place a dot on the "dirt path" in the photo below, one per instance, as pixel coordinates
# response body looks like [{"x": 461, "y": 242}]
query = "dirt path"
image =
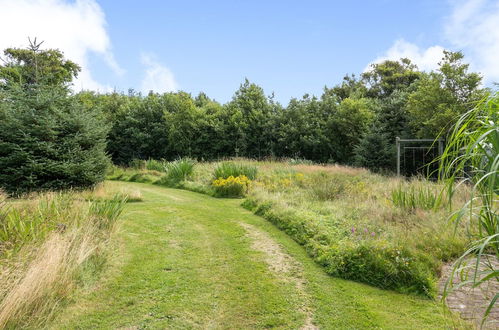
[
  {"x": 183, "y": 260},
  {"x": 284, "y": 267}
]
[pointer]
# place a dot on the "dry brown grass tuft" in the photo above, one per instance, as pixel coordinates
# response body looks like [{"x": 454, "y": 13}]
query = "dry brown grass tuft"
[
  {"x": 46, "y": 279},
  {"x": 38, "y": 274}
]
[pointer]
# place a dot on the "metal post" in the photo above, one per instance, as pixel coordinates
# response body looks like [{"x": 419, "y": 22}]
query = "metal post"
[
  {"x": 440, "y": 147},
  {"x": 397, "y": 141}
]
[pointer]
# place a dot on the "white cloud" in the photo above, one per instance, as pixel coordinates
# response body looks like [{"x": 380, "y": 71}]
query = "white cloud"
[
  {"x": 425, "y": 59},
  {"x": 76, "y": 28},
  {"x": 472, "y": 27},
  {"x": 158, "y": 78}
]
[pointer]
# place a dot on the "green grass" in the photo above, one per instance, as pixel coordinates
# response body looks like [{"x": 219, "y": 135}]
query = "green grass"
[
  {"x": 412, "y": 198},
  {"x": 359, "y": 226},
  {"x": 182, "y": 260},
  {"x": 227, "y": 169}
]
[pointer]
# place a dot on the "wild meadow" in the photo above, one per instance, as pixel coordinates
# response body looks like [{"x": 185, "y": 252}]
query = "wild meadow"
[
  {"x": 336, "y": 239},
  {"x": 385, "y": 231},
  {"x": 50, "y": 244}
]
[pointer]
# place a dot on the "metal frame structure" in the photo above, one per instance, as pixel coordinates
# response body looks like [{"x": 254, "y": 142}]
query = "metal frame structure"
[{"x": 398, "y": 141}]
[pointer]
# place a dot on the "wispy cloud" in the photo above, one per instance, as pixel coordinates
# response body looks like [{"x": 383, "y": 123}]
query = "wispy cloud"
[
  {"x": 472, "y": 26},
  {"x": 77, "y": 28},
  {"x": 158, "y": 78}
]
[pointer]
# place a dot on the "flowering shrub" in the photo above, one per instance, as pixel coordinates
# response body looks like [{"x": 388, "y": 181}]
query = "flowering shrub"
[{"x": 231, "y": 186}]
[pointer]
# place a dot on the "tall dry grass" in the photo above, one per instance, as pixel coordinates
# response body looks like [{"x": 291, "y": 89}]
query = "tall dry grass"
[{"x": 37, "y": 275}]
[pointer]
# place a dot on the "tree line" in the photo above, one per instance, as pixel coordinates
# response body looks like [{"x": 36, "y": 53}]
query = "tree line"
[
  {"x": 354, "y": 123},
  {"x": 46, "y": 129}
]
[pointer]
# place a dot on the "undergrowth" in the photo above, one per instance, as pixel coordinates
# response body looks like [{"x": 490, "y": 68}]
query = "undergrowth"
[
  {"x": 48, "y": 244},
  {"x": 358, "y": 225}
]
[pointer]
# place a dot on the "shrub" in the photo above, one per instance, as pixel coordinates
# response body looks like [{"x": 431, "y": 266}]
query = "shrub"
[
  {"x": 49, "y": 142},
  {"x": 180, "y": 170},
  {"x": 232, "y": 186},
  {"x": 227, "y": 169},
  {"x": 375, "y": 151}
]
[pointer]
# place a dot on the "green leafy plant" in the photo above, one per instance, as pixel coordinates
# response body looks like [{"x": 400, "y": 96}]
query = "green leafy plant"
[{"x": 472, "y": 156}]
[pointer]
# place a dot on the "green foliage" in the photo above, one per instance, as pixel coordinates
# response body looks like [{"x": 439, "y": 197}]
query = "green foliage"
[
  {"x": 472, "y": 152},
  {"x": 231, "y": 186},
  {"x": 32, "y": 66},
  {"x": 155, "y": 165},
  {"x": 251, "y": 118},
  {"x": 416, "y": 198},
  {"x": 139, "y": 131},
  {"x": 442, "y": 96},
  {"x": 48, "y": 141},
  {"x": 177, "y": 171},
  {"x": 389, "y": 76},
  {"x": 325, "y": 187},
  {"x": 375, "y": 152},
  {"x": 107, "y": 211},
  {"x": 227, "y": 169}
]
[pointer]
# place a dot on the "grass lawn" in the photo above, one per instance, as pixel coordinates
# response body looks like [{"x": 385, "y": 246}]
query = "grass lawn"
[{"x": 187, "y": 260}]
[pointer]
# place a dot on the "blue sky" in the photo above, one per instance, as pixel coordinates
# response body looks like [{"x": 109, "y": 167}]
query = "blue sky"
[{"x": 287, "y": 47}]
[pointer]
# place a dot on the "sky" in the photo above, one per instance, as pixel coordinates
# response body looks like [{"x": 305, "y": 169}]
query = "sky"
[{"x": 289, "y": 48}]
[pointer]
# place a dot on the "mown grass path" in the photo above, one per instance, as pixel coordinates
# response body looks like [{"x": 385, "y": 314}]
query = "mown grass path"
[{"x": 186, "y": 260}]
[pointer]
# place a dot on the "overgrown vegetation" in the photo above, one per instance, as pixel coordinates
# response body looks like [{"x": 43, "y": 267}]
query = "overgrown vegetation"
[
  {"x": 414, "y": 197},
  {"x": 232, "y": 186},
  {"x": 360, "y": 226},
  {"x": 472, "y": 156},
  {"x": 47, "y": 242},
  {"x": 227, "y": 169}
]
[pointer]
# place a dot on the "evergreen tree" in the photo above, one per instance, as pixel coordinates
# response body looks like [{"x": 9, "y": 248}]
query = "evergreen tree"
[
  {"x": 375, "y": 151},
  {"x": 48, "y": 140}
]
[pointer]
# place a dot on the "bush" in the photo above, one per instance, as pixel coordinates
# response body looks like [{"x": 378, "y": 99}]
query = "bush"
[
  {"x": 49, "y": 142},
  {"x": 226, "y": 169},
  {"x": 232, "y": 186},
  {"x": 107, "y": 211}
]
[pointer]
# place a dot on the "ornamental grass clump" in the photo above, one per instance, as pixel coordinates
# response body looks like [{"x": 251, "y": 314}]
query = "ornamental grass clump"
[
  {"x": 226, "y": 169},
  {"x": 411, "y": 198},
  {"x": 177, "y": 171},
  {"x": 472, "y": 156},
  {"x": 232, "y": 186}
]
